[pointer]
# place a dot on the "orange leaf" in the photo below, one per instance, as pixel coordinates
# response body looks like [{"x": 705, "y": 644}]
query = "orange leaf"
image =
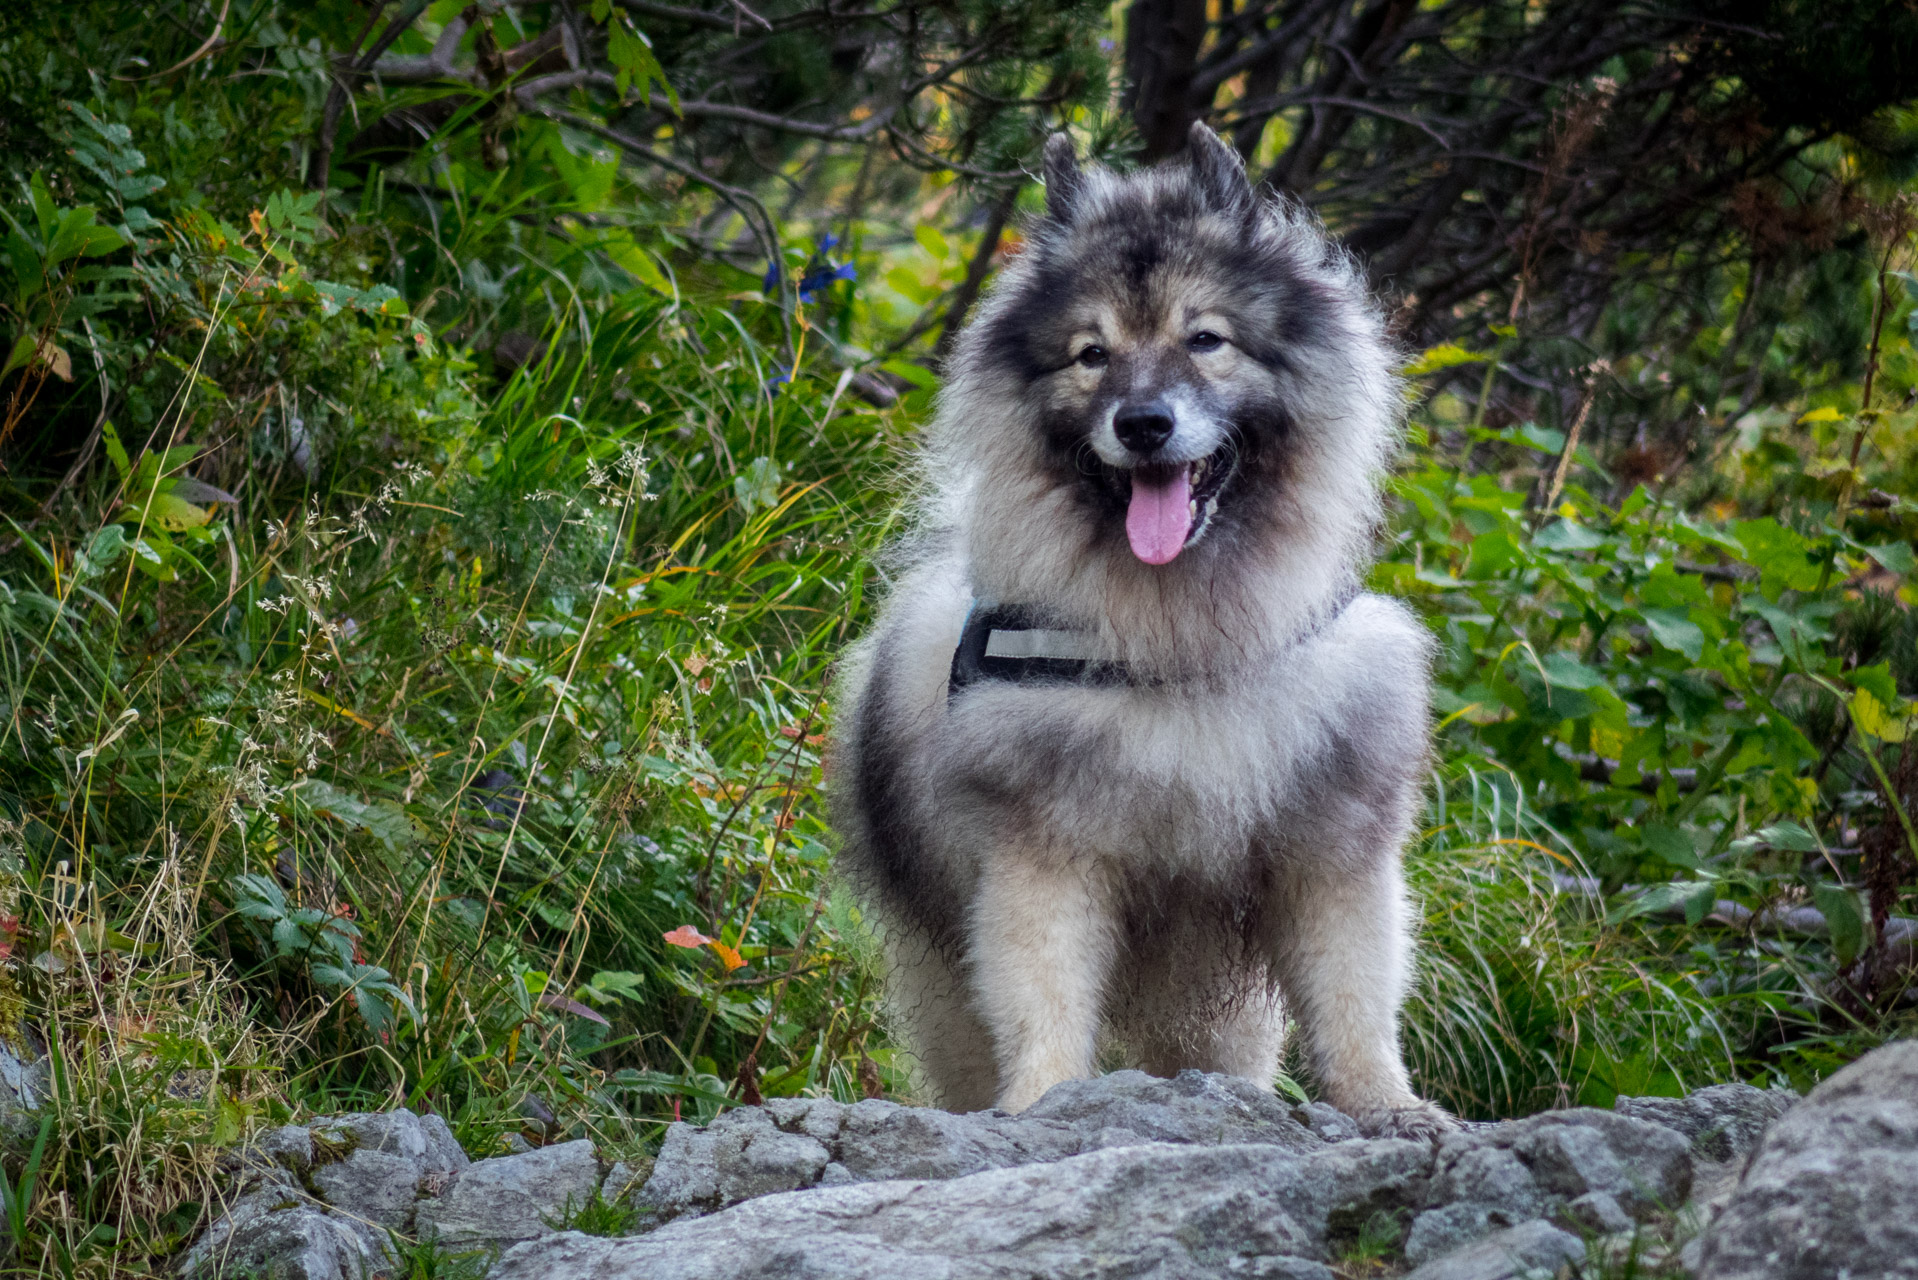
[
  {"x": 687, "y": 936},
  {"x": 257, "y": 221},
  {"x": 727, "y": 956}
]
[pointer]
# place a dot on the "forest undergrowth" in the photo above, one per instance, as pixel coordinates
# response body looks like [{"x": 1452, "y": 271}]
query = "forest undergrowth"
[{"x": 415, "y": 673}]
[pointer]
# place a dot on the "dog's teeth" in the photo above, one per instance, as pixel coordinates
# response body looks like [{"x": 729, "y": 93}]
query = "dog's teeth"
[{"x": 1192, "y": 509}]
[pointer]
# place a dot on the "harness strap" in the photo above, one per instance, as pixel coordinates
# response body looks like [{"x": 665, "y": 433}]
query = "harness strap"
[{"x": 1020, "y": 644}]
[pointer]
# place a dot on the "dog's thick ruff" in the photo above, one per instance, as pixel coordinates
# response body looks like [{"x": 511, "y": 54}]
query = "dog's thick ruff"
[{"x": 1165, "y": 430}]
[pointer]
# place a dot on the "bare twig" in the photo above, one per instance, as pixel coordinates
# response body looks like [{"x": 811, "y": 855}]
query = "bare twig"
[
  {"x": 320, "y": 167},
  {"x": 744, "y": 203}
]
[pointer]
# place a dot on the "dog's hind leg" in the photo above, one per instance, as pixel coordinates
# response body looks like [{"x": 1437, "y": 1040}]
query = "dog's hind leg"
[
  {"x": 1343, "y": 956},
  {"x": 1043, "y": 937},
  {"x": 931, "y": 1006}
]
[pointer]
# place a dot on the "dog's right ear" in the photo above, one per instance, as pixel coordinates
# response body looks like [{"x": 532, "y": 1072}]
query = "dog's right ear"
[{"x": 1064, "y": 181}]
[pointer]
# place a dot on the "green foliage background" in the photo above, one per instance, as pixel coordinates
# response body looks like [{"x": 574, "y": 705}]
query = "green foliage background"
[{"x": 418, "y": 602}]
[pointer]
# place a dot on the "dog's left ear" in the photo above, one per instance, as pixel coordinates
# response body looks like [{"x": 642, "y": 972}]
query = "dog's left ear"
[
  {"x": 1220, "y": 172},
  {"x": 1063, "y": 178}
]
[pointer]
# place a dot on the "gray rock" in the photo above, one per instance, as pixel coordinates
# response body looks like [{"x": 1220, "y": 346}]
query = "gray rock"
[
  {"x": 1270, "y": 1268},
  {"x": 1487, "y": 1175},
  {"x": 623, "y": 1179},
  {"x": 788, "y": 1143},
  {"x": 290, "y": 1147},
  {"x": 294, "y": 1243},
  {"x": 443, "y": 1151},
  {"x": 371, "y": 1186},
  {"x": 1646, "y": 1166},
  {"x": 1531, "y": 1249},
  {"x": 1191, "y": 1107},
  {"x": 884, "y": 1141},
  {"x": 1327, "y": 1121},
  {"x": 1832, "y": 1189},
  {"x": 23, "y": 1084},
  {"x": 818, "y": 1118},
  {"x": 1448, "y": 1228},
  {"x": 511, "y": 1198},
  {"x": 1596, "y": 1213},
  {"x": 424, "y": 1142},
  {"x": 1724, "y": 1121},
  {"x": 755, "y": 1157},
  {"x": 1158, "y": 1209},
  {"x": 1254, "y": 1209},
  {"x": 742, "y": 1154}
]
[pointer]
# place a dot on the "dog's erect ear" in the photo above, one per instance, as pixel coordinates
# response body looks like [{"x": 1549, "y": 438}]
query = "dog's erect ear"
[
  {"x": 1063, "y": 179},
  {"x": 1219, "y": 172}
]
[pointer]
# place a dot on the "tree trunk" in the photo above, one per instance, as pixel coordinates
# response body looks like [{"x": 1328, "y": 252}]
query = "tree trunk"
[{"x": 1161, "y": 55}]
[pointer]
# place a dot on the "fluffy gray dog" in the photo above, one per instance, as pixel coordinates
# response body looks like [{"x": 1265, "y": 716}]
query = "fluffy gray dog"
[{"x": 1128, "y": 760}]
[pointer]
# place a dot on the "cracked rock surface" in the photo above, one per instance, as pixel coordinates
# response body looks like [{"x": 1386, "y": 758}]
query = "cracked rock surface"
[
  {"x": 1832, "y": 1188},
  {"x": 1124, "y": 1176}
]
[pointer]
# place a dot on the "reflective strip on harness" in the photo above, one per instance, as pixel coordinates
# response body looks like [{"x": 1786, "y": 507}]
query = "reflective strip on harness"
[{"x": 1038, "y": 643}]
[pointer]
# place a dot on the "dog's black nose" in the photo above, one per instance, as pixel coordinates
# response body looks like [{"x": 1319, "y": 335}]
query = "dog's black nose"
[{"x": 1143, "y": 427}]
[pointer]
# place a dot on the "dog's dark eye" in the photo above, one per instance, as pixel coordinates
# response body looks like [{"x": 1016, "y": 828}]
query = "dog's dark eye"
[
  {"x": 1092, "y": 357},
  {"x": 1204, "y": 340}
]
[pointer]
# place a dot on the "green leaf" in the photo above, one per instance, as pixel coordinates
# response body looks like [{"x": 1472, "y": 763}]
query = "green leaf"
[
  {"x": 381, "y": 818},
  {"x": 116, "y": 452},
  {"x": 1886, "y": 721},
  {"x": 1781, "y": 555},
  {"x": 1569, "y": 535},
  {"x": 757, "y": 487},
  {"x": 931, "y": 241},
  {"x": 610, "y": 984},
  {"x": 1876, "y": 679},
  {"x": 23, "y": 348},
  {"x": 1780, "y": 835},
  {"x": 1796, "y": 635},
  {"x": 1674, "y": 629},
  {"x": 1843, "y": 918},
  {"x": 1895, "y": 556},
  {"x": 1671, "y": 844},
  {"x": 1446, "y": 355},
  {"x": 1563, "y": 671}
]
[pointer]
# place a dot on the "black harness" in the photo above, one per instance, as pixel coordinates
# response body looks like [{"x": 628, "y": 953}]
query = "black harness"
[
  {"x": 1020, "y": 644},
  {"x": 1013, "y": 642}
]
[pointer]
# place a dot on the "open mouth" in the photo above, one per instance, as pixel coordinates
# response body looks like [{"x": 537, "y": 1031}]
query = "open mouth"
[{"x": 1171, "y": 505}]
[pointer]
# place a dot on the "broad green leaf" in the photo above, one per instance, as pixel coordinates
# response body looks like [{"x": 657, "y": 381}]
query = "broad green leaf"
[
  {"x": 1796, "y": 634},
  {"x": 1885, "y": 721},
  {"x": 1781, "y": 555},
  {"x": 1563, "y": 671},
  {"x": 165, "y": 510},
  {"x": 1780, "y": 835},
  {"x": 1878, "y": 680},
  {"x": 1674, "y": 629},
  {"x": 931, "y": 241},
  {"x": 1843, "y": 918},
  {"x": 1671, "y": 844},
  {"x": 381, "y": 818},
  {"x": 757, "y": 487},
  {"x": 1895, "y": 556},
  {"x": 1569, "y": 535}
]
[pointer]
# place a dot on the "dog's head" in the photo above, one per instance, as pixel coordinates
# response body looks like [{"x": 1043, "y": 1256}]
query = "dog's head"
[{"x": 1190, "y": 361}]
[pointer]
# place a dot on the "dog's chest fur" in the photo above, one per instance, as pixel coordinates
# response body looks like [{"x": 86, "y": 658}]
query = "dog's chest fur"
[{"x": 1290, "y": 757}]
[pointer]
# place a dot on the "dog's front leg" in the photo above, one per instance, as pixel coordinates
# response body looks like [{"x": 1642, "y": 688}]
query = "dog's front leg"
[
  {"x": 1343, "y": 958},
  {"x": 1042, "y": 946}
]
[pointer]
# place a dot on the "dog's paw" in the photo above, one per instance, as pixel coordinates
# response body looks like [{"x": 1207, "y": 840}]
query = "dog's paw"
[{"x": 1420, "y": 1122}]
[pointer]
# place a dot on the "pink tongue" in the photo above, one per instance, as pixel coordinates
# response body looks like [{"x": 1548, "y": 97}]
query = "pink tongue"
[{"x": 1157, "y": 521}]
